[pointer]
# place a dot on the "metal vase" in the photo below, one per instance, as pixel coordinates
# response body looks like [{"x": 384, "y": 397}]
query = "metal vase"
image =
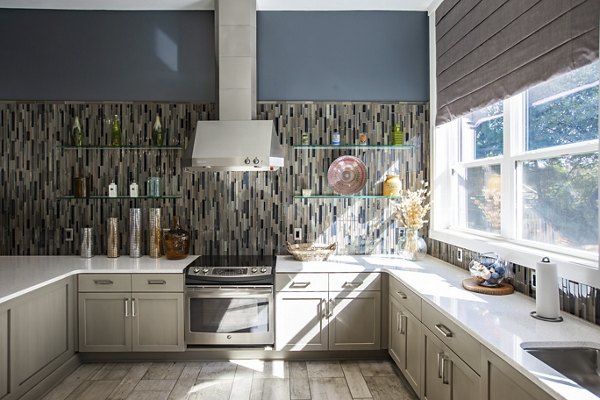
[
  {"x": 112, "y": 238},
  {"x": 135, "y": 232},
  {"x": 155, "y": 232},
  {"x": 87, "y": 243}
]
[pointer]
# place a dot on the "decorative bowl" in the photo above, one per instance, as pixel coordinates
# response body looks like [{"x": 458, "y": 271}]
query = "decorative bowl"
[
  {"x": 347, "y": 175},
  {"x": 488, "y": 269},
  {"x": 311, "y": 251}
]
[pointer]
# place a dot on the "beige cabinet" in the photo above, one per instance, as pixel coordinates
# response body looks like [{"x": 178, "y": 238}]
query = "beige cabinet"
[
  {"x": 104, "y": 322},
  {"x": 345, "y": 314},
  {"x": 446, "y": 376},
  {"x": 301, "y": 321},
  {"x": 502, "y": 382},
  {"x": 405, "y": 346},
  {"x": 113, "y": 320},
  {"x": 4, "y": 376},
  {"x": 39, "y": 330}
]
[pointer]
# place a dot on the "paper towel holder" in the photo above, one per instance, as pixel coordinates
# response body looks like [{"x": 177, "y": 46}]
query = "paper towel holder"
[
  {"x": 534, "y": 313},
  {"x": 557, "y": 319}
]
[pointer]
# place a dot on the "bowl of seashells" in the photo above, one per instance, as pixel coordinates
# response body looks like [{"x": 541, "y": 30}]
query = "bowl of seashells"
[{"x": 488, "y": 269}]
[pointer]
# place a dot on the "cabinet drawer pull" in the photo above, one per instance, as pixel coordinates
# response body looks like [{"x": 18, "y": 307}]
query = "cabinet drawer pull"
[
  {"x": 402, "y": 295},
  {"x": 443, "y": 330},
  {"x": 352, "y": 284},
  {"x": 103, "y": 282},
  {"x": 126, "y": 308},
  {"x": 403, "y": 320},
  {"x": 133, "y": 307},
  {"x": 445, "y": 370},
  {"x": 300, "y": 285},
  {"x": 157, "y": 282}
]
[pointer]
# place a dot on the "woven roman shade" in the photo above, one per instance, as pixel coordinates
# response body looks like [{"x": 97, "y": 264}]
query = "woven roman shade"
[{"x": 488, "y": 50}]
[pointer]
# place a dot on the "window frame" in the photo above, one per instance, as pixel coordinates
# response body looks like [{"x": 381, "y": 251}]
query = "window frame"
[{"x": 446, "y": 167}]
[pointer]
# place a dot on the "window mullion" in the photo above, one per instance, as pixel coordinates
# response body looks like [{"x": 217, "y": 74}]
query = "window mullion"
[{"x": 514, "y": 121}]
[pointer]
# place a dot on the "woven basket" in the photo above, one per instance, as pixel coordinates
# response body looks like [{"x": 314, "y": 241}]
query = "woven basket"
[{"x": 311, "y": 252}]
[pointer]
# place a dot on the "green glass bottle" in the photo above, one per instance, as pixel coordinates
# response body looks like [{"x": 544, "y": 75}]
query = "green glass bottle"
[
  {"x": 398, "y": 135},
  {"x": 77, "y": 133},
  {"x": 157, "y": 133},
  {"x": 115, "y": 133}
]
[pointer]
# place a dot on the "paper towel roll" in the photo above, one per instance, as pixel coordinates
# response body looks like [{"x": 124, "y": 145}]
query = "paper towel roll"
[{"x": 546, "y": 293}]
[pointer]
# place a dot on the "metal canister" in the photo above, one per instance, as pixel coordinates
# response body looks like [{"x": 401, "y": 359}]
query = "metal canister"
[
  {"x": 153, "y": 188},
  {"x": 135, "y": 232},
  {"x": 87, "y": 243},
  {"x": 155, "y": 232},
  {"x": 112, "y": 238}
]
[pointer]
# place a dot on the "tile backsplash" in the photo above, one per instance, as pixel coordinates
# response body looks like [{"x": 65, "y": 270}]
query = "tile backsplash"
[{"x": 236, "y": 212}]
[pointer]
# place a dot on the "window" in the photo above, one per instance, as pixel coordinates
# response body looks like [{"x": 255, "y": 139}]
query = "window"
[{"x": 524, "y": 170}]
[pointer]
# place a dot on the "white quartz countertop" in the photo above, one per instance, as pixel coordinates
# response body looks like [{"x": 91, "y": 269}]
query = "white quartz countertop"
[
  {"x": 22, "y": 274},
  {"x": 500, "y": 323}
]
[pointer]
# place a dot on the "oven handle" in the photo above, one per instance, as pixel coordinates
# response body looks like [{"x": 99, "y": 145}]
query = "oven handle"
[{"x": 228, "y": 291}]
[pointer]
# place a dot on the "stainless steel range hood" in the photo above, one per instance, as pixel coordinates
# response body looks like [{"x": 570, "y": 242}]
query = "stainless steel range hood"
[{"x": 237, "y": 141}]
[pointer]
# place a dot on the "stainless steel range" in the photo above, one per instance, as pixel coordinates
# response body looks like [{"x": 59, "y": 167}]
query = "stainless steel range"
[{"x": 230, "y": 301}]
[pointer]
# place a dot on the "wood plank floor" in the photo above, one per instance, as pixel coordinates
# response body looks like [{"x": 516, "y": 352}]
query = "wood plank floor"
[{"x": 235, "y": 380}]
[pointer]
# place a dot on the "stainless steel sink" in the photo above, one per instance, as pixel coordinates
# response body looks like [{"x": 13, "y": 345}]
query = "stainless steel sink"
[{"x": 580, "y": 364}]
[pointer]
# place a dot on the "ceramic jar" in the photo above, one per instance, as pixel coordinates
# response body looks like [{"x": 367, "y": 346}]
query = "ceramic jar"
[
  {"x": 392, "y": 185},
  {"x": 176, "y": 241}
]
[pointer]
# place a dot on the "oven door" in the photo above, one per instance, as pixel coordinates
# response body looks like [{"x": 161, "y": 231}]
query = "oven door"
[{"x": 226, "y": 315}]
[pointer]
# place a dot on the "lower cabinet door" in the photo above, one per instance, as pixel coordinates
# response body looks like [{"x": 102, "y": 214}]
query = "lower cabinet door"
[
  {"x": 411, "y": 328},
  {"x": 464, "y": 382},
  {"x": 355, "y": 320},
  {"x": 434, "y": 387},
  {"x": 104, "y": 322},
  {"x": 301, "y": 321},
  {"x": 157, "y": 322}
]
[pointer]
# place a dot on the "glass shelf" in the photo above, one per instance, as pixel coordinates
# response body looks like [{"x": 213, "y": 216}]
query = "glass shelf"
[
  {"x": 353, "y": 147},
  {"x": 132, "y": 147},
  {"x": 119, "y": 197},
  {"x": 339, "y": 196}
]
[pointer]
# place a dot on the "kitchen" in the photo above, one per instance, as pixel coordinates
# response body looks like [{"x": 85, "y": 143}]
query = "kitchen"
[{"x": 368, "y": 323}]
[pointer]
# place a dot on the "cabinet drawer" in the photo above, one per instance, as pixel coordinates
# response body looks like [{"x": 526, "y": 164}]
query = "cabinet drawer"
[
  {"x": 105, "y": 282},
  {"x": 301, "y": 282},
  {"x": 354, "y": 281},
  {"x": 463, "y": 344},
  {"x": 405, "y": 297},
  {"x": 157, "y": 282}
]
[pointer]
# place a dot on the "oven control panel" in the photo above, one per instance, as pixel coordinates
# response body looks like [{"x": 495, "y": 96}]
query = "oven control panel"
[{"x": 229, "y": 272}]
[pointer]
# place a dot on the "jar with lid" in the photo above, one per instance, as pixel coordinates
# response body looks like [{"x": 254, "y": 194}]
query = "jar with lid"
[
  {"x": 176, "y": 241},
  {"x": 392, "y": 186}
]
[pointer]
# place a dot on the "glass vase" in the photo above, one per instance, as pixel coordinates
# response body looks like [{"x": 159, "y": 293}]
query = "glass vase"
[
  {"x": 177, "y": 241},
  {"x": 414, "y": 246}
]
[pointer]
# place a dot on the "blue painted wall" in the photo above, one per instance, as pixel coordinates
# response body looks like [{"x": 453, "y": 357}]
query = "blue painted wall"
[
  {"x": 353, "y": 55},
  {"x": 107, "y": 55}
]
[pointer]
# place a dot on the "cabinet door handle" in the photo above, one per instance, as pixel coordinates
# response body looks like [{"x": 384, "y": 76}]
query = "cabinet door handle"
[
  {"x": 103, "y": 282},
  {"x": 397, "y": 321},
  {"x": 300, "y": 285},
  {"x": 352, "y": 284},
  {"x": 133, "y": 307},
  {"x": 126, "y": 308},
  {"x": 402, "y": 295},
  {"x": 445, "y": 378},
  {"x": 324, "y": 308},
  {"x": 440, "y": 365},
  {"x": 403, "y": 320},
  {"x": 443, "y": 330},
  {"x": 157, "y": 282},
  {"x": 331, "y": 307}
]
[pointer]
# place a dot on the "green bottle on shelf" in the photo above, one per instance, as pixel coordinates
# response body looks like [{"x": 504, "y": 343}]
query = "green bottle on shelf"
[
  {"x": 77, "y": 133},
  {"x": 398, "y": 135},
  {"x": 157, "y": 133},
  {"x": 115, "y": 133}
]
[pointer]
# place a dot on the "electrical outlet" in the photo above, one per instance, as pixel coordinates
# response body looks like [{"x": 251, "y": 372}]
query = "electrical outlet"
[
  {"x": 459, "y": 255},
  {"x": 68, "y": 234},
  {"x": 533, "y": 280},
  {"x": 297, "y": 233},
  {"x": 402, "y": 233}
]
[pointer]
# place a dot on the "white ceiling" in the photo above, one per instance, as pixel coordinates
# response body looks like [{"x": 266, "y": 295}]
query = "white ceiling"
[{"x": 265, "y": 5}]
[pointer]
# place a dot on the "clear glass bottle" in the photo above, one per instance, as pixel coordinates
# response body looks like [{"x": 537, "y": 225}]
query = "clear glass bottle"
[
  {"x": 115, "y": 132},
  {"x": 157, "y": 133},
  {"x": 77, "y": 133},
  {"x": 176, "y": 241}
]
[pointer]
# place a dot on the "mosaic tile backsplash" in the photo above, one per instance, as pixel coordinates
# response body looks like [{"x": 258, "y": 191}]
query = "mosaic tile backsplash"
[{"x": 238, "y": 212}]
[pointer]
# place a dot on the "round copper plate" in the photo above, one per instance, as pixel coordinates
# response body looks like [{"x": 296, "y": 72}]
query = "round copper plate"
[{"x": 347, "y": 175}]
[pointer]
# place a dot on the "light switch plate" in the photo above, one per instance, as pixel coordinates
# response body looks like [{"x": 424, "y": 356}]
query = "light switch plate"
[
  {"x": 68, "y": 235},
  {"x": 297, "y": 233},
  {"x": 459, "y": 255}
]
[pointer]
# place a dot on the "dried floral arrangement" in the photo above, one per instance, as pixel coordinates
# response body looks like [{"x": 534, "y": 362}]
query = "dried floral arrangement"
[{"x": 413, "y": 207}]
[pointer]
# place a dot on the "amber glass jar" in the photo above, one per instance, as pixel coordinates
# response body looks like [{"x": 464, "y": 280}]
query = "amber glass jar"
[{"x": 176, "y": 241}]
